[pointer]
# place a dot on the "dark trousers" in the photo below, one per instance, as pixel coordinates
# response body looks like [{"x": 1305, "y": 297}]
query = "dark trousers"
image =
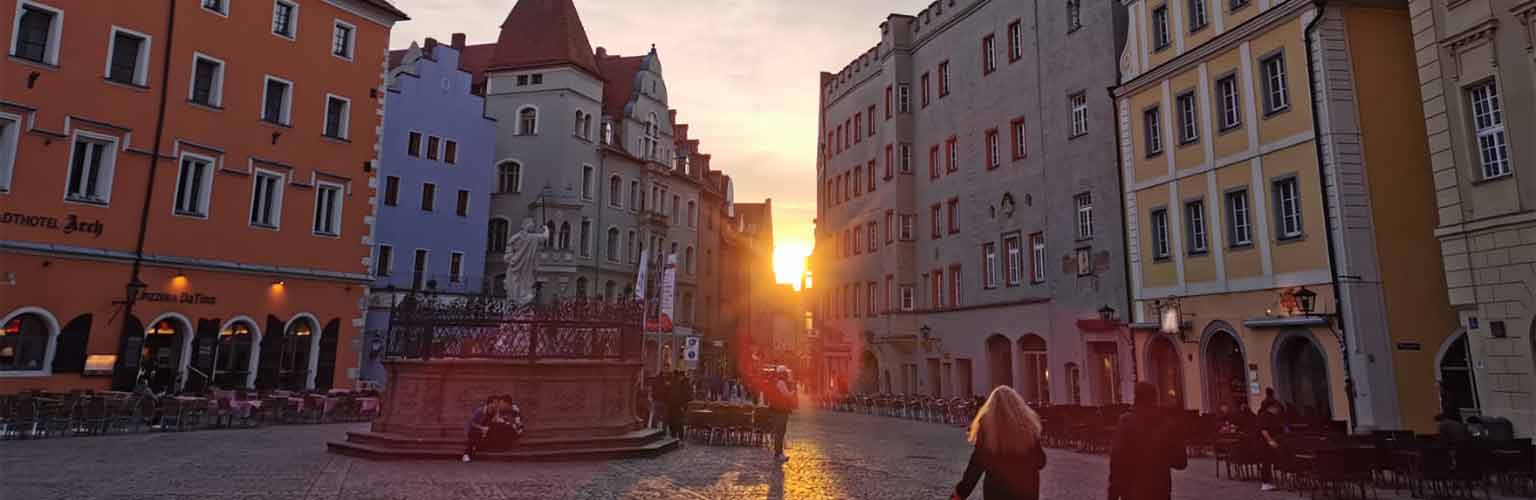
[
  {"x": 475, "y": 440},
  {"x": 499, "y": 437},
  {"x": 780, "y": 424},
  {"x": 675, "y": 422}
]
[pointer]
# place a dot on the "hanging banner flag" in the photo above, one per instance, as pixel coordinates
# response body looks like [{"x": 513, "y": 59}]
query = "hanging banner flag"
[
  {"x": 640, "y": 278},
  {"x": 668, "y": 293}
]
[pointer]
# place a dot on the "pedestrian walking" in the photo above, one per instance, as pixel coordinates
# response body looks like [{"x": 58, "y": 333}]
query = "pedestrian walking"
[
  {"x": 1008, "y": 455},
  {"x": 658, "y": 402},
  {"x": 680, "y": 392},
  {"x": 1145, "y": 452}
]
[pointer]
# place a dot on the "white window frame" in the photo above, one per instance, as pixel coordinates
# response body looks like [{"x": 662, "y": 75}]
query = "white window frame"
[
  {"x": 1198, "y": 16},
  {"x": 1152, "y": 130},
  {"x": 204, "y": 191},
  {"x": 1161, "y": 33},
  {"x": 989, "y": 271},
  {"x": 1288, "y": 208},
  {"x": 223, "y": 11},
  {"x": 285, "y": 117},
  {"x": 1240, "y": 213},
  {"x": 908, "y": 227},
  {"x": 1037, "y": 258},
  {"x": 103, "y": 194},
  {"x": 518, "y": 124},
  {"x": 989, "y": 50},
  {"x": 345, "y": 127},
  {"x": 1226, "y": 90},
  {"x": 905, "y": 155},
  {"x": 1079, "y": 104},
  {"x": 10, "y": 139},
  {"x": 277, "y": 198},
  {"x": 1488, "y": 129},
  {"x": 908, "y": 297},
  {"x": 1195, "y": 227},
  {"x": 1084, "y": 203},
  {"x": 351, "y": 48},
  {"x": 904, "y": 98},
  {"x": 588, "y": 181},
  {"x": 216, "y": 94},
  {"x": 140, "y": 62},
  {"x": 1189, "y": 121},
  {"x": 1161, "y": 247},
  {"x": 1014, "y": 263},
  {"x": 616, "y": 201},
  {"x": 293, "y": 21},
  {"x": 1276, "y": 90},
  {"x": 335, "y": 215},
  {"x": 517, "y": 180},
  {"x": 55, "y": 31}
]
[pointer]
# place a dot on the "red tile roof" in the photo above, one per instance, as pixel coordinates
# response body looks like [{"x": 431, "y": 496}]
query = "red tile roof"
[
  {"x": 619, "y": 73},
  {"x": 543, "y": 33},
  {"x": 387, "y": 7}
]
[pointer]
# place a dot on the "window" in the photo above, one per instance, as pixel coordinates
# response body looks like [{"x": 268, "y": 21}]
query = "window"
[
  {"x": 988, "y": 55},
  {"x": 1037, "y": 258},
  {"x": 129, "y": 61},
  {"x": 1160, "y": 248},
  {"x": 496, "y": 239},
  {"x": 615, "y": 192},
  {"x": 384, "y": 262},
  {"x": 954, "y": 215},
  {"x": 461, "y": 208},
  {"x": 337, "y": 117},
  {"x": 433, "y": 143},
  {"x": 9, "y": 137},
  {"x": 587, "y": 176},
  {"x": 1237, "y": 4},
  {"x": 889, "y": 290},
  {"x": 193, "y": 182},
  {"x": 908, "y": 298},
  {"x": 207, "y": 81},
  {"x": 327, "y": 209},
  {"x": 428, "y": 196},
  {"x": 1079, "y": 103},
  {"x": 277, "y": 101},
  {"x": 873, "y": 234},
  {"x": 285, "y": 19},
  {"x": 1275, "y": 97},
  {"x": 37, "y": 33},
  {"x": 954, "y": 286},
  {"x": 419, "y": 269},
  {"x": 904, "y": 98},
  {"x": 217, "y": 6},
  {"x": 342, "y": 40},
  {"x": 992, "y": 157},
  {"x": 391, "y": 191},
  {"x": 413, "y": 144},
  {"x": 585, "y": 240},
  {"x": 510, "y": 178},
  {"x": 925, "y": 88},
  {"x": 890, "y": 232},
  {"x": 1084, "y": 202},
  {"x": 890, "y": 161},
  {"x": 1013, "y": 263},
  {"x": 612, "y": 247},
  {"x": 1015, "y": 41},
  {"x": 1288, "y": 208},
  {"x": 90, "y": 169},
  {"x": 456, "y": 267},
  {"x": 563, "y": 240},
  {"x": 858, "y": 178},
  {"x": 951, "y": 155},
  {"x": 1226, "y": 91},
  {"x": 908, "y": 227},
  {"x": 266, "y": 199},
  {"x": 858, "y": 128},
  {"x": 989, "y": 265},
  {"x": 450, "y": 151},
  {"x": 934, "y": 214},
  {"x": 1160, "y": 27},
  {"x": 1074, "y": 15},
  {"x": 1084, "y": 259},
  {"x": 871, "y": 299},
  {"x": 527, "y": 121},
  {"x": 933, "y": 162},
  {"x": 1151, "y": 125},
  {"x": 869, "y": 180},
  {"x": 870, "y": 116},
  {"x": 1194, "y": 226},
  {"x": 906, "y": 158},
  {"x": 1240, "y": 233},
  {"x": 1020, "y": 140},
  {"x": 936, "y": 289},
  {"x": 1488, "y": 123},
  {"x": 943, "y": 78},
  {"x": 1188, "y": 128},
  {"x": 1197, "y": 17},
  {"x": 890, "y": 97}
]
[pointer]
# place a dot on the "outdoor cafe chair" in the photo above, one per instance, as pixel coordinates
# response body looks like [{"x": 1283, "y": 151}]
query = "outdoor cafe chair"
[
  {"x": 93, "y": 418},
  {"x": 21, "y": 420},
  {"x": 169, "y": 412}
]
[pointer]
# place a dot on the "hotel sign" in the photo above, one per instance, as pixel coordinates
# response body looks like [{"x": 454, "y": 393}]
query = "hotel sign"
[{"x": 70, "y": 224}]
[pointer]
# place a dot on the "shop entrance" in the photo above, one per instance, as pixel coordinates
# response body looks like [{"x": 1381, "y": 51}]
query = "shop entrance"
[{"x": 160, "y": 355}]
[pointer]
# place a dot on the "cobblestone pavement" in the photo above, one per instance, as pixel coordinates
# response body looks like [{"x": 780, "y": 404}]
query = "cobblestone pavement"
[{"x": 833, "y": 455}]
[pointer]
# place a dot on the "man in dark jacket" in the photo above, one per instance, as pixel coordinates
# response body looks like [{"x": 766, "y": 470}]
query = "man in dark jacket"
[{"x": 1146, "y": 450}]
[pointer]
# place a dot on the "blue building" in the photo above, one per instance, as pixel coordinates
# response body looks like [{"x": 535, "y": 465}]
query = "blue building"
[{"x": 434, "y": 185}]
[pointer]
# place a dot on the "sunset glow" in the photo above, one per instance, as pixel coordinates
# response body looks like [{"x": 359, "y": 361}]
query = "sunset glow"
[{"x": 789, "y": 261}]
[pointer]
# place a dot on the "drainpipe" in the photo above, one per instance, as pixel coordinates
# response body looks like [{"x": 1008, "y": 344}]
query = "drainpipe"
[
  {"x": 1333, "y": 261},
  {"x": 118, "y": 381}
]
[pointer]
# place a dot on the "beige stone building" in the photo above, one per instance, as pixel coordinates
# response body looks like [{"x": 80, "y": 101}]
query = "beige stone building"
[{"x": 1476, "y": 64}]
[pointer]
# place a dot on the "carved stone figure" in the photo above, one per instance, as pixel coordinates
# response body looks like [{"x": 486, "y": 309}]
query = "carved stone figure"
[{"x": 522, "y": 250}]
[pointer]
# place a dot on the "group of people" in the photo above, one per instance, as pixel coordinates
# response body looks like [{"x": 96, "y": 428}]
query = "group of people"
[
  {"x": 493, "y": 426},
  {"x": 670, "y": 393},
  {"x": 1009, "y": 455}
]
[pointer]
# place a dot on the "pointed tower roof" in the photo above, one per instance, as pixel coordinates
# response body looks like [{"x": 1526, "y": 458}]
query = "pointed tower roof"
[{"x": 543, "y": 33}]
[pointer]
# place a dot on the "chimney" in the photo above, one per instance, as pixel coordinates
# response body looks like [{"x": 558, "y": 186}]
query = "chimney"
[
  {"x": 602, "y": 52},
  {"x": 431, "y": 44},
  {"x": 458, "y": 41}
]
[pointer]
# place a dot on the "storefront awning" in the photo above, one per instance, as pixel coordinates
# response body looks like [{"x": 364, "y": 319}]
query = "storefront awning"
[{"x": 1285, "y": 322}]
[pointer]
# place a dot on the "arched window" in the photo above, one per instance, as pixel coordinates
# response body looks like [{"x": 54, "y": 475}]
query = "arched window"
[
  {"x": 586, "y": 238},
  {"x": 527, "y": 121},
  {"x": 496, "y": 239},
  {"x": 551, "y": 242},
  {"x": 24, "y": 343},
  {"x": 576, "y": 128},
  {"x": 510, "y": 178},
  {"x": 293, "y": 363},
  {"x": 612, "y": 250},
  {"x": 233, "y": 364},
  {"x": 565, "y": 236},
  {"x": 586, "y": 126},
  {"x": 616, "y": 191},
  {"x": 688, "y": 260}
]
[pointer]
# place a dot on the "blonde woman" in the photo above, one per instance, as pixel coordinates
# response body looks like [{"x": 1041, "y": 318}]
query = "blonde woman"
[{"x": 1006, "y": 433}]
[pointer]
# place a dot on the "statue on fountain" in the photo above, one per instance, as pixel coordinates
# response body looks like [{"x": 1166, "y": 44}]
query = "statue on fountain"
[{"x": 521, "y": 260}]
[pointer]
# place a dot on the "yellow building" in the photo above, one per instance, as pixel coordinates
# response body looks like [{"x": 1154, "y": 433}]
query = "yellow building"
[{"x": 1279, "y": 212}]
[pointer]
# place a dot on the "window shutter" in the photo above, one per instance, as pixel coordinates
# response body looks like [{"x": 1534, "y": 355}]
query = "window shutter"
[
  {"x": 204, "y": 342},
  {"x": 69, "y": 354},
  {"x": 126, "y": 370},
  {"x": 271, "y": 353},
  {"x": 325, "y": 374}
]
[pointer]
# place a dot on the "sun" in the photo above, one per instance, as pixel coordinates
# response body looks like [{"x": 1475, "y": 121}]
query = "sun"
[{"x": 789, "y": 261}]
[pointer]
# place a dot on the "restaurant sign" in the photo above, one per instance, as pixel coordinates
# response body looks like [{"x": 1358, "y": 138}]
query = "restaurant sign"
[
  {"x": 70, "y": 224},
  {"x": 181, "y": 298}
]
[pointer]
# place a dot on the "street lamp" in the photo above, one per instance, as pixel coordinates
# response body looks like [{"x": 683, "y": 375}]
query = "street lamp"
[
  {"x": 926, "y": 331},
  {"x": 135, "y": 290},
  {"x": 1305, "y": 300},
  {"x": 1108, "y": 314}
]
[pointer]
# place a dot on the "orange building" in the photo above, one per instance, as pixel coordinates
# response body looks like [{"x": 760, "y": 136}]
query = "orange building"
[{"x": 187, "y": 190}]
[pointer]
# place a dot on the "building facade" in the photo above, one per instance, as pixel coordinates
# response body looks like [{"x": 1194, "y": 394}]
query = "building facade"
[
  {"x": 187, "y": 194},
  {"x": 434, "y": 198},
  {"x": 1270, "y": 202},
  {"x": 1477, "y": 84},
  {"x": 967, "y": 234}
]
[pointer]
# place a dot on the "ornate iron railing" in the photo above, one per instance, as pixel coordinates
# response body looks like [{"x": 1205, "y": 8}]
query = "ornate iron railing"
[{"x": 431, "y": 326}]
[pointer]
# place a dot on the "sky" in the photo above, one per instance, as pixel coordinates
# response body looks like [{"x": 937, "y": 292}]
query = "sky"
[{"x": 744, "y": 74}]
